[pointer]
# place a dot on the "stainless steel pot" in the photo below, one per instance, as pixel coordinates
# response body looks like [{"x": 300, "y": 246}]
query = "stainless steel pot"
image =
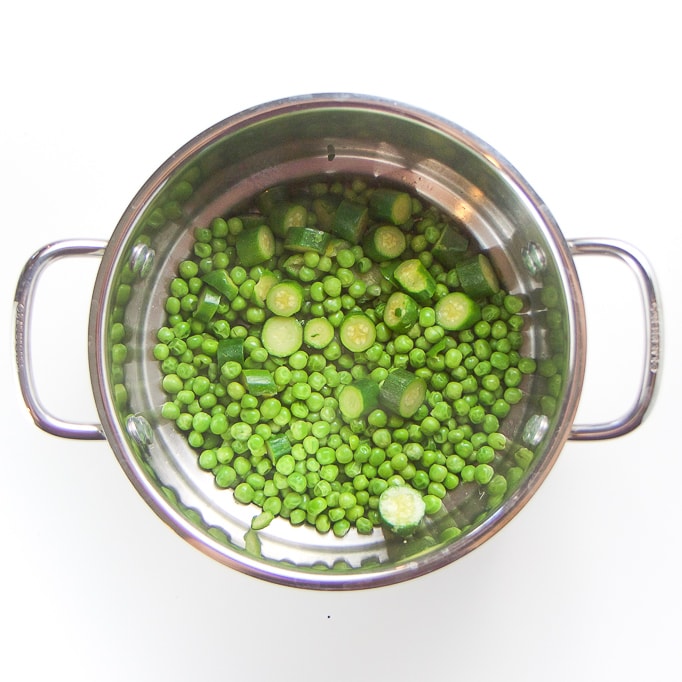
[{"x": 294, "y": 139}]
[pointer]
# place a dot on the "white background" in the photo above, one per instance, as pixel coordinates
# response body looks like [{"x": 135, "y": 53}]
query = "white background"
[{"x": 583, "y": 98}]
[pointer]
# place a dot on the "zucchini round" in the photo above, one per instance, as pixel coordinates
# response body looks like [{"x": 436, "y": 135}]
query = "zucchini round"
[{"x": 402, "y": 509}]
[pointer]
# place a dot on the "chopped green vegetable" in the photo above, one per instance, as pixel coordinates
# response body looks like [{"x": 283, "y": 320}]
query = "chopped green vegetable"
[
  {"x": 401, "y": 312},
  {"x": 357, "y": 332},
  {"x": 259, "y": 382},
  {"x": 221, "y": 282},
  {"x": 255, "y": 245},
  {"x": 230, "y": 350},
  {"x": 402, "y": 509},
  {"x": 457, "y": 311},
  {"x": 384, "y": 243},
  {"x": 414, "y": 279},
  {"x": 359, "y": 398},
  {"x": 391, "y": 205},
  {"x": 209, "y": 300},
  {"x": 340, "y": 354},
  {"x": 284, "y": 217},
  {"x": 350, "y": 221},
  {"x": 265, "y": 282},
  {"x": 450, "y": 247},
  {"x": 282, "y": 336},
  {"x": 477, "y": 276},
  {"x": 304, "y": 239},
  {"x": 318, "y": 332},
  {"x": 285, "y": 298},
  {"x": 402, "y": 392}
]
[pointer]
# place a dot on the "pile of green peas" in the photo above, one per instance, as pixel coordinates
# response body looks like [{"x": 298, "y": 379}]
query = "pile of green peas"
[{"x": 335, "y": 470}]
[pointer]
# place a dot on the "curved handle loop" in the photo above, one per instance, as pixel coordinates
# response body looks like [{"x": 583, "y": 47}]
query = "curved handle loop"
[
  {"x": 23, "y": 300},
  {"x": 645, "y": 278}
]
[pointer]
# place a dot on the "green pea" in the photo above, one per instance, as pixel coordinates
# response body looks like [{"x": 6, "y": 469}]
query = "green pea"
[{"x": 244, "y": 493}]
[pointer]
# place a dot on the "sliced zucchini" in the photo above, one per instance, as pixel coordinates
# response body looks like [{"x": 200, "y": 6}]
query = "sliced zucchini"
[
  {"x": 292, "y": 265},
  {"x": 359, "y": 398},
  {"x": 478, "y": 277},
  {"x": 401, "y": 312},
  {"x": 255, "y": 245},
  {"x": 457, "y": 311},
  {"x": 350, "y": 221},
  {"x": 324, "y": 208},
  {"x": 390, "y": 205},
  {"x": 230, "y": 350},
  {"x": 335, "y": 245},
  {"x": 318, "y": 332},
  {"x": 285, "y": 298},
  {"x": 221, "y": 282},
  {"x": 259, "y": 382},
  {"x": 207, "y": 307},
  {"x": 402, "y": 509},
  {"x": 278, "y": 445},
  {"x": 384, "y": 243},
  {"x": 285, "y": 216},
  {"x": 450, "y": 247},
  {"x": 282, "y": 336},
  {"x": 251, "y": 220},
  {"x": 265, "y": 282},
  {"x": 271, "y": 197},
  {"x": 403, "y": 392},
  {"x": 357, "y": 332},
  {"x": 414, "y": 279},
  {"x": 302, "y": 239}
]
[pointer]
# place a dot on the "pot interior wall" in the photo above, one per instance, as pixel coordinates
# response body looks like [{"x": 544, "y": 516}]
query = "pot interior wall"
[{"x": 223, "y": 169}]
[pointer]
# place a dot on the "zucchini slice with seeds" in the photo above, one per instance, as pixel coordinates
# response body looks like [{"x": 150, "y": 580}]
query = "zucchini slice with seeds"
[
  {"x": 456, "y": 311},
  {"x": 384, "y": 243},
  {"x": 402, "y": 509},
  {"x": 357, "y": 332},
  {"x": 285, "y": 298}
]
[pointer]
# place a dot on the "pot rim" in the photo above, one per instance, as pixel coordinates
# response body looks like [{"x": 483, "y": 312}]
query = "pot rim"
[{"x": 361, "y": 578}]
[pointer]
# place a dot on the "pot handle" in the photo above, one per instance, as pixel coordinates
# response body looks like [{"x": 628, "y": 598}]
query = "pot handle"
[
  {"x": 23, "y": 300},
  {"x": 645, "y": 278}
]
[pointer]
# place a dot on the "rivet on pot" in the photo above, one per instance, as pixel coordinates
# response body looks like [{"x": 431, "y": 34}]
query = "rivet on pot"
[
  {"x": 535, "y": 429},
  {"x": 139, "y": 430},
  {"x": 534, "y": 258},
  {"x": 141, "y": 259}
]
